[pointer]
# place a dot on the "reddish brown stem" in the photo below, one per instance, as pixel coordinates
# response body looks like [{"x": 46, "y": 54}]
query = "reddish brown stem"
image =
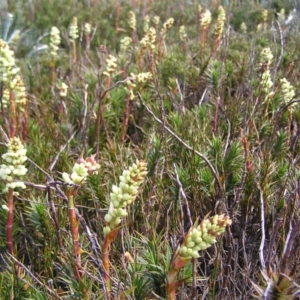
[
  {"x": 9, "y": 224},
  {"x": 75, "y": 236},
  {"x": 109, "y": 238},
  {"x": 87, "y": 47},
  {"x": 74, "y": 54},
  {"x": 172, "y": 283}
]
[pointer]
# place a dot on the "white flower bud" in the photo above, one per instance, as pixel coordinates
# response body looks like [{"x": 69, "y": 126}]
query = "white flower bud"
[
  {"x": 209, "y": 239},
  {"x": 190, "y": 244},
  {"x": 107, "y": 218},
  {"x": 195, "y": 254}
]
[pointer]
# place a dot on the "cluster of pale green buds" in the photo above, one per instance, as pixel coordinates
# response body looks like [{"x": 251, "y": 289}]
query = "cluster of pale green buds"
[
  {"x": 132, "y": 20},
  {"x": 54, "y": 40},
  {"x": 111, "y": 65},
  {"x": 81, "y": 170},
  {"x": 182, "y": 33},
  {"x": 259, "y": 28},
  {"x": 139, "y": 78},
  {"x": 199, "y": 8},
  {"x": 281, "y": 16},
  {"x": 124, "y": 194},
  {"x": 266, "y": 81},
  {"x": 205, "y": 19},
  {"x": 203, "y": 236},
  {"x": 156, "y": 20},
  {"x": 63, "y": 89},
  {"x": 167, "y": 25},
  {"x": 266, "y": 56},
  {"x": 220, "y": 22},
  {"x": 264, "y": 15},
  {"x": 73, "y": 30},
  {"x": 146, "y": 23},
  {"x": 142, "y": 77},
  {"x": 17, "y": 85},
  {"x": 19, "y": 88},
  {"x": 87, "y": 28},
  {"x": 8, "y": 68},
  {"x": 148, "y": 41},
  {"x": 287, "y": 90},
  {"x": 125, "y": 43},
  {"x": 13, "y": 167},
  {"x": 244, "y": 27}
]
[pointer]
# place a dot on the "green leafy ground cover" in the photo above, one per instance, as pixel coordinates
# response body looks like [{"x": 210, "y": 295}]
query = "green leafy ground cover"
[{"x": 206, "y": 95}]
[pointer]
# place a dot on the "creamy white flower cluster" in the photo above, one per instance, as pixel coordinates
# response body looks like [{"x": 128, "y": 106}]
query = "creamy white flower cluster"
[
  {"x": 264, "y": 15},
  {"x": 8, "y": 68},
  {"x": 111, "y": 65},
  {"x": 203, "y": 236},
  {"x": 156, "y": 20},
  {"x": 139, "y": 78},
  {"x": 205, "y": 19},
  {"x": 243, "y": 27},
  {"x": 199, "y": 8},
  {"x": 132, "y": 20},
  {"x": 281, "y": 16},
  {"x": 125, "y": 43},
  {"x": 148, "y": 41},
  {"x": 63, "y": 89},
  {"x": 14, "y": 164},
  {"x": 219, "y": 27},
  {"x": 81, "y": 170},
  {"x": 287, "y": 90},
  {"x": 54, "y": 40},
  {"x": 266, "y": 81},
  {"x": 124, "y": 194},
  {"x": 167, "y": 25},
  {"x": 73, "y": 30},
  {"x": 182, "y": 33},
  {"x": 266, "y": 58},
  {"x": 87, "y": 28},
  {"x": 17, "y": 85},
  {"x": 142, "y": 77},
  {"x": 146, "y": 23}
]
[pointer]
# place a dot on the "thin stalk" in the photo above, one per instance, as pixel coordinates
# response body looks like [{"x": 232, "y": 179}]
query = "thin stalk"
[
  {"x": 52, "y": 70},
  {"x": 74, "y": 52},
  {"x": 87, "y": 47},
  {"x": 9, "y": 224},
  {"x": 290, "y": 120},
  {"x": 10, "y": 200}
]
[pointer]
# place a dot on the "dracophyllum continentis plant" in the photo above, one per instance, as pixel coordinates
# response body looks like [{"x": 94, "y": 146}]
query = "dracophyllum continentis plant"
[
  {"x": 11, "y": 171},
  {"x": 81, "y": 170},
  {"x": 198, "y": 238},
  {"x": 121, "y": 196}
]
